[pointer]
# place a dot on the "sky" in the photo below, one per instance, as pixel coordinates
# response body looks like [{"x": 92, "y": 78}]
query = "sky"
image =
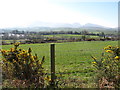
[{"x": 22, "y": 13}]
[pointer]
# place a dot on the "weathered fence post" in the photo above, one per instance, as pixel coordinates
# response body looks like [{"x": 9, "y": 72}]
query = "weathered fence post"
[{"x": 52, "y": 52}]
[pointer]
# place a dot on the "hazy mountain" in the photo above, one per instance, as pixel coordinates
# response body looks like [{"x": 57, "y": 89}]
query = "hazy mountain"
[
  {"x": 93, "y": 25},
  {"x": 54, "y": 25},
  {"x": 76, "y": 25},
  {"x": 68, "y": 25},
  {"x": 46, "y": 26}
]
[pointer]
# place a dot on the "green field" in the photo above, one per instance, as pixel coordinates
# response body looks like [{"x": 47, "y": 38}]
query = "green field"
[
  {"x": 69, "y": 36},
  {"x": 63, "y": 35},
  {"x": 72, "y": 58}
]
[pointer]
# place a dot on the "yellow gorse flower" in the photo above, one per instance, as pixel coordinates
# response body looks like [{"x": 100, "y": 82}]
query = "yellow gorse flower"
[
  {"x": 47, "y": 78},
  {"x": 103, "y": 61},
  {"x": 17, "y": 59},
  {"x": 12, "y": 49},
  {"x": 24, "y": 62},
  {"x": 34, "y": 57},
  {"x": 109, "y": 46},
  {"x": 39, "y": 62},
  {"x": 110, "y": 51},
  {"x": 117, "y": 57},
  {"x": 94, "y": 62},
  {"x": 14, "y": 61}
]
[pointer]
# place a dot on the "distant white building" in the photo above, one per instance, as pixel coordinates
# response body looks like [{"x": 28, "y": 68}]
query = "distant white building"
[{"x": 17, "y": 35}]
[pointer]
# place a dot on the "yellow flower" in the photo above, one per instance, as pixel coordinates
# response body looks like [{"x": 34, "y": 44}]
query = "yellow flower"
[
  {"x": 8, "y": 50},
  {"x": 110, "y": 51},
  {"x": 47, "y": 78},
  {"x": 25, "y": 55},
  {"x": 14, "y": 61},
  {"x": 4, "y": 60},
  {"x": 117, "y": 47},
  {"x": 109, "y": 46},
  {"x": 3, "y": 51},
  {"x": 94, "y": 62},
  {"x": 24, "y": 62},
  {"x": 34, "y": 57},
  {"x": 39, "y": 62},
  {"x": 117, "y": 57},
  {"x": 103, "y": 61},
  {"x": 32, "y": 60},
  {"x": 12, "y": 49}
]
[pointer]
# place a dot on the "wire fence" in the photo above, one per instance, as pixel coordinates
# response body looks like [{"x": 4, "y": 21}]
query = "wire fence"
[
  {"x": 72, "y": 60},
  {"x": 67, "y": 59}
]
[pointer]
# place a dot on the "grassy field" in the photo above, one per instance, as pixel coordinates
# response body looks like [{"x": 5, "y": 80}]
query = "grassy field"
[
  {"x": 69, "y": 36},
  {"x": 73, "y": 59},
  {"x": 63, "y": 35}
]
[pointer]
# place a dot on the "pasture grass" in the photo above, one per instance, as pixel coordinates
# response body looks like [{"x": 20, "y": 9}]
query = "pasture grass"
[
  {"x": 62, "y": 35},
  {"x": 73, "y": 59},
  {"x": 69, "y": 36}
]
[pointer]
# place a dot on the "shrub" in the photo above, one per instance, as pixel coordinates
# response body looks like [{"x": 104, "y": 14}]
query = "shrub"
[
  {"x": 23, "y": 68},
  {"x": 108, "y": 67}
]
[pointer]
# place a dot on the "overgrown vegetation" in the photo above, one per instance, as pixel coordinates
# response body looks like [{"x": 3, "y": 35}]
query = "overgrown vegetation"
[
  {"x": 73, "y": 67},
  {"x": 22, "y": 69},
  {"x": 108, "y": 68}
]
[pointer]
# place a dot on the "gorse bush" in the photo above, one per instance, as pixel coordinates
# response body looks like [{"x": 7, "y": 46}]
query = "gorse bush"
[
  {"x": 24, "y": 67},
  {"x": 108, "y": 67}
]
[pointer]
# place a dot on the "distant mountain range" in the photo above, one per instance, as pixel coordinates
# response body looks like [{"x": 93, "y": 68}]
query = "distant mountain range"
[
  {"x": 54, "y": 25},
  {"x": 57, "y": 25},
  {"x": 44, "y": 26}
]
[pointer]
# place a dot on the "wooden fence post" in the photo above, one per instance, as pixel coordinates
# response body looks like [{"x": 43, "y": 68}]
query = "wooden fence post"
[{"x": 52, "y": 52}]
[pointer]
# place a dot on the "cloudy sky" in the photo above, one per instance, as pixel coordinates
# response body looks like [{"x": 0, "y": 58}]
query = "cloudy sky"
[{"x": 22, "y": 13}]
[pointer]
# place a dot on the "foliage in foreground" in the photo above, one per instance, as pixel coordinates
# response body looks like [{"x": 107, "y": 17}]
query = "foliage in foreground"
[
  {"x": 108, "y": 67},
  {"x": 22, "y": 69},
  {"x": 13, "y": 80}
]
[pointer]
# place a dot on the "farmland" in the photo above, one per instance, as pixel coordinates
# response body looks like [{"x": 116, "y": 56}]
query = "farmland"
[
  {"x": 65, "y": 35},
  {"x": 73, "y": 59},
  {"x": 72, "y": 35}
]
